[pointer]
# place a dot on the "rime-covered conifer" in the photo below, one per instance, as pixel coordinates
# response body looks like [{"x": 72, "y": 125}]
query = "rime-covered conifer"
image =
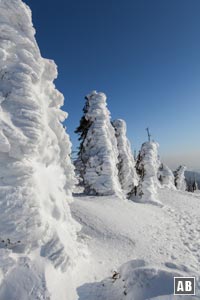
[
  {"x": 126, "y": 163},
  {"x": 166, "y": 176},
  {"x": 98, "y": 153},
  {"x": 147, "y": 167},
  {"x": 179, "y": 178},
  {"x": 36, "y": 174}
]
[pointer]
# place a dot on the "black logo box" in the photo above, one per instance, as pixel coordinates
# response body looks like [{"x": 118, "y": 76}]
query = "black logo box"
[{"x": 180, "y": 286}]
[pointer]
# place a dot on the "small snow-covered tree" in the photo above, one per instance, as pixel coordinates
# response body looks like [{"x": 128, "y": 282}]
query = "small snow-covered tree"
[
  {"x": 166, "y": 176},
  {"x": 195, "y": 185},
  {"x": 98, "y": 154},
  {"x": 179, "y": 178},
  {"x": 147, "y": 167},
  {"x": 36, "y": 173},
  {"x": 126, "y": 165}
]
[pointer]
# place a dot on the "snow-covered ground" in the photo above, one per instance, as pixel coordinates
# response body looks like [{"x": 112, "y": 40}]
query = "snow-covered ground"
[{"x": 155, "y": 243}]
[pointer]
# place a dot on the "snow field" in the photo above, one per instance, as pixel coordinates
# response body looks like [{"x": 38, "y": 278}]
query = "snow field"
[{"x": 137, "y": 231}]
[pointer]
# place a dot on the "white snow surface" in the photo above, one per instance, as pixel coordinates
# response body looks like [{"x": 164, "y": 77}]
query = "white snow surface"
[
  {"x": 136, "y": 249},
  {"x": 100, "y": 156},
  {"x": 36, "y": 228},
  {"x": 126, "y": 165}
]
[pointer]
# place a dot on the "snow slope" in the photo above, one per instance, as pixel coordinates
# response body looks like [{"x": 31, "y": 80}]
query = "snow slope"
[{"x": 165, "y": 238}]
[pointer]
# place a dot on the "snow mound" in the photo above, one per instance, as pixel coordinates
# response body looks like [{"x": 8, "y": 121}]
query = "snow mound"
[
  {"x": 24, "y": 280},
  {"x": 134, "y": 280},
  {"x": 126, "y": 165}
]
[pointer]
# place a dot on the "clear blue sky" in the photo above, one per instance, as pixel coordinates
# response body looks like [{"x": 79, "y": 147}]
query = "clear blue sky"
[{"x": 144, "y": 54}]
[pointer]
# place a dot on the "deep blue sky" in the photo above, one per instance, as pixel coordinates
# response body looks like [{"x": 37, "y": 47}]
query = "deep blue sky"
[{"x": 144, "y": 54}]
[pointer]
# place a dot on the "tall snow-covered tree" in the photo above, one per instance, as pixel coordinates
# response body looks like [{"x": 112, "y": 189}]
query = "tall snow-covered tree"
[
  {"x": 36, "y": 174},
  {"x": 98, "y": 154},
  {"x": 82, "y": 130},
  {"x": 179, "y": 178},
  {"x": 147, "y": 167},
  {"x": 126, "y": 165},
  {"x": 166, "y": 176}
]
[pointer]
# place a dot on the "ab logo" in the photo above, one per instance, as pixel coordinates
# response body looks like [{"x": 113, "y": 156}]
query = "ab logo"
[{"x": 184, "y": 285}]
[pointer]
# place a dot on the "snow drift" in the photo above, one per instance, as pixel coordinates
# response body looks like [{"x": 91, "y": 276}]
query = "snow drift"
[
  {"x": 36, "y": 172},
  {"x": 136, "y": 280}
]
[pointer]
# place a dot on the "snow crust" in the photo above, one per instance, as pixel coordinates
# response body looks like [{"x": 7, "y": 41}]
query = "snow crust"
[
  {"x": 100, "y": 153},
  {"x": 126, "y": 163}
]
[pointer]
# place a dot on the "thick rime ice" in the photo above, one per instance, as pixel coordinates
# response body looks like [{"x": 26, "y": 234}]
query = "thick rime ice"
[
  {"x": 98, "y": 153},
  {"x": 36, "y": 171},
  {"x": 179, "y": 176},
  {"x": 126, "y": 165},
  {"x": 147, "y": 167},
  {"x": 166, "y": 176}
]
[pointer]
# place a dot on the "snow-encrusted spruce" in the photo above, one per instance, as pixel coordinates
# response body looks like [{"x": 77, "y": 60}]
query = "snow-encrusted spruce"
[
  {"x": 36, "y": 174},
  {"x": 126, "y": 165},
  {"x": 82, "y": 130},
  {"x": 166, "y": 176},
  {"x": 98, "y": 155},
  {"x": 147, "y": 167},
  {"x": 179, "y": 176}
]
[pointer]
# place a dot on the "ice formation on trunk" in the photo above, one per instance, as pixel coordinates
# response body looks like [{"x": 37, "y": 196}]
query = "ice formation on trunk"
[
  {"x": 147, "y": 166},
  {"x": 98, "y": 153},
  {"x": 166, "y": 176},
  {"x": 36, "y": 171},
  {"x": 179, "y": 176},
  {"x": 126, "y": 165}
]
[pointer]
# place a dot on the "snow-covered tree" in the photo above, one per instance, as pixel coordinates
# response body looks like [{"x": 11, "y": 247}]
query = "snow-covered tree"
[
  {"x": 147, "y": 167},
  {"x": 126, "y": 165},
  {"x": 36, "y": 174},
  {"x": 166, "y": 176},
  {"x": 82, "y": 130},
  {"x": 179, "y": 178},
  {"x": 195, "y": 185},
  {"x": 98, "y": 154}
]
